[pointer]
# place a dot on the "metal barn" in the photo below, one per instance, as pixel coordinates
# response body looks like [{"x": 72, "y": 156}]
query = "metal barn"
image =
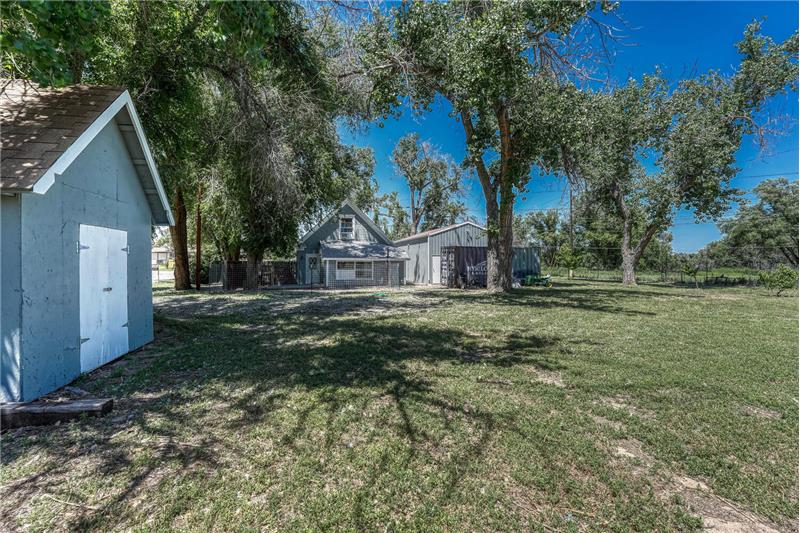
[{"x": 426, "y": 250}]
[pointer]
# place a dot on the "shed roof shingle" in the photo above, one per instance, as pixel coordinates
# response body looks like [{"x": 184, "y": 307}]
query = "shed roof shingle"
[{"x": 37, "y": 125}]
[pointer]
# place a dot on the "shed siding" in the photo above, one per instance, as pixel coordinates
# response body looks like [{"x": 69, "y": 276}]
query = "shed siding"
[
  {"x": 10, "y": 298},
  {"x": 100, "y": 188}
]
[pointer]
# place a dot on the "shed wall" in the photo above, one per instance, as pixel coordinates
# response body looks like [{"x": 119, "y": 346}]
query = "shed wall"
[
  {"x": 10, "y": 298},
  {"x": 417, "y": 265},
  {"x": 100, "y": 188}
]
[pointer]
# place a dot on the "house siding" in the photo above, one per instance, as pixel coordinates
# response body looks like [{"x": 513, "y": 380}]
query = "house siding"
[
  {"x": 329, "y": 231},
  {"x": 101, "y": 188}
]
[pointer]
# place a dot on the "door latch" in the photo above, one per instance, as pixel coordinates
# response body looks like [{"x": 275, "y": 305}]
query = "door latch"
[{"x": 107, "y": 289}]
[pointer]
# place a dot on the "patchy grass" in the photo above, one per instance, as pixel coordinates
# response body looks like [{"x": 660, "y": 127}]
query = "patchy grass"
[{"x": 588, "y": 406}]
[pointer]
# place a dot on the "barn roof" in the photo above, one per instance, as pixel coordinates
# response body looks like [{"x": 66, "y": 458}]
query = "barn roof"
[
  {"x": 435, "y": 231},
  {"x": 44, "y": 130},
  {"x": 360, "y": 250}
]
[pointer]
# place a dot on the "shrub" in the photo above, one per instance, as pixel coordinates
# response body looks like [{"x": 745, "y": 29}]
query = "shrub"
[{"x": 779, "y": 279}]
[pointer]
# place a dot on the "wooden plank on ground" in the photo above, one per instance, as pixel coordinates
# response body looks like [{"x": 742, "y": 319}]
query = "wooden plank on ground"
[{"x": 14, "y": 415}]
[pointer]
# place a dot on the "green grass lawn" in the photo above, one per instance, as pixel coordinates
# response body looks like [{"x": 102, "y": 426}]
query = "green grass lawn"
[{"x": 588, "y": 406}]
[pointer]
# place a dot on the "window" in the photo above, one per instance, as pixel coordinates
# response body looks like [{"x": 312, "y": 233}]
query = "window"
[
  {"x": 345, "y": 228},
  {"x": 364, "y": 270},
  {"x": 345, "y": 270}
]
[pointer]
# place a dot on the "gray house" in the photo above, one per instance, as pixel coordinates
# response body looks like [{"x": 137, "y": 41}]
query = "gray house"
[
  {"x": 79, "y": 194},
  {"x": 349, "y": 250},
  {"x": 425, "y": 251}
]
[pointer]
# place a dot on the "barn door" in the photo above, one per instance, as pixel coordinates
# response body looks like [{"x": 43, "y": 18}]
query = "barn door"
[
  {"x": 436, "y": 266},
  {"x": 103, "y": 295}
]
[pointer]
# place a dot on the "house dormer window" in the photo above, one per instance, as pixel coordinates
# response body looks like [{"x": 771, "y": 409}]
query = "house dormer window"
[{"x": 346, "y": 228}]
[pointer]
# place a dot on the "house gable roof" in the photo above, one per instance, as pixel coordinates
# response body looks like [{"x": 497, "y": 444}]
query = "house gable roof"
[
  {"x": 45, "y": 130},
  {"x": 359, "y": 213},
  {"x": 435, "y": 231}
]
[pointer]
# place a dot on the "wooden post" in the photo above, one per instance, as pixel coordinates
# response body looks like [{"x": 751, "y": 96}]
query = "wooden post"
[{"x": 198, "y": 239}]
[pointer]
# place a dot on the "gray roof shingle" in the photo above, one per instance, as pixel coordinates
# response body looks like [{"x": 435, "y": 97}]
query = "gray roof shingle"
[
  {"x": 360, "y": 250},
  {"x": 37, "y": 125}
]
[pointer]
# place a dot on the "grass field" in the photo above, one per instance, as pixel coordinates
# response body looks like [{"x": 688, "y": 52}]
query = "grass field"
[{"x": 588, "y": 406}]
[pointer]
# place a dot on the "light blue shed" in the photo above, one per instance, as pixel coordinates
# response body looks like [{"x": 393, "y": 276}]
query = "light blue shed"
[{"x": 79, "y": 195}]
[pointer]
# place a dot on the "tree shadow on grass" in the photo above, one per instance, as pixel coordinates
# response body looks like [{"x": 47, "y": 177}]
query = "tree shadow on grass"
[{"x": 196, "y": 405}]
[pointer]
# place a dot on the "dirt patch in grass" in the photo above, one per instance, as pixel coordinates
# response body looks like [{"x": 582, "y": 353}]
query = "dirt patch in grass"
[
  {"x": 761, "y": 412},
  {"x": 717, "y": 513},
  {"x": 623, "y": 403}
]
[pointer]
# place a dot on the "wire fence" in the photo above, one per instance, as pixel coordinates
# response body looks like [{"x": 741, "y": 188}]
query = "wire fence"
[{"x": 270, "y": 273}]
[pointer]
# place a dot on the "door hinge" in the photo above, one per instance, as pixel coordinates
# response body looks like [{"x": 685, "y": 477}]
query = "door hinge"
[
  {"x": 81, "y": 340},
  {"x": 127, "y": 250},
  {"x": 82, "y": 247},
  {"x": 125, "y": 325}
]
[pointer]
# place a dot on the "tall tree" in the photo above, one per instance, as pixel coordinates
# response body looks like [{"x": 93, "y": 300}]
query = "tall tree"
[
  {"x": 500, "y": 66},
  {"x": 769, "y": 225},
  {"x": 689, "y": 136},
  {"x": 50, "y": 42},
  {"x": 547, "y": 229},
  {"x": 434, "y": 182}
]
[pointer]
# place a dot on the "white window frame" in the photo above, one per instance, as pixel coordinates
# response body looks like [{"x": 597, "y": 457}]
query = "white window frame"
[
  {"x": 347, "y": 274},
  {"x": 349, "y": 236},
  {"x": 371, "y": 270}
]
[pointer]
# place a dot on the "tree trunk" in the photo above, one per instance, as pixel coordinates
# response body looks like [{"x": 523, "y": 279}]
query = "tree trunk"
[
  {"x": 628, "y": 268},
  {"x": 493, "y": 246},
  {"x": 628, "y": 256},
  {"x": 180, "y": 244},
  {"x": 251, "y": 276},
  {"x": 506, "y": 237},
  {"x": 198, "y": 230}
]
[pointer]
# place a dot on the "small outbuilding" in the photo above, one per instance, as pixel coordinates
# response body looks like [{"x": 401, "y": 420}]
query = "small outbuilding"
[
  {"x": 79, "y": 196},
  {"x": 425, "y": 251}
]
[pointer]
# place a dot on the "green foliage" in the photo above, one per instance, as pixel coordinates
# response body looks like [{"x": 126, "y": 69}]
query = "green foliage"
[
  {"x": 547, "y": 229},
  {"x": 779, "y": 279},
  {"x": 502, "y": 66},
  {"x": 434, "y": 183},
  {"x": 50, "y": 43},
  {"x": 567, "y": 257},
  {"x": 651, "y": 151},
  {"x": 764, "y": 230}
]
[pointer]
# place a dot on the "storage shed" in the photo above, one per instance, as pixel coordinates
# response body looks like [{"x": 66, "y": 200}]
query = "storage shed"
[
  {"x": 425, "y": 251},
  {"x": 79, "y": 194}
]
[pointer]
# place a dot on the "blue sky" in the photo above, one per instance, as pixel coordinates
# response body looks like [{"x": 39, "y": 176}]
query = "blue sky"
[{"x": 681, "y": 38}]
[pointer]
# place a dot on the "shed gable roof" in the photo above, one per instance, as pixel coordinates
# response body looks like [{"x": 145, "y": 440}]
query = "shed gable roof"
[{"x": 44, "y": 130}]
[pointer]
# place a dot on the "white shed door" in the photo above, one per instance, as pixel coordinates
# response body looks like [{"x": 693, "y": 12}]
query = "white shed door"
[
  {"x": 436, "y": 269},
  {"x": 103, "y": 295}
]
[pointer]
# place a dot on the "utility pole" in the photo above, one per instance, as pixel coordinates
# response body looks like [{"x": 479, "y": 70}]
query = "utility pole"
[{"x": 198, "y": 239}]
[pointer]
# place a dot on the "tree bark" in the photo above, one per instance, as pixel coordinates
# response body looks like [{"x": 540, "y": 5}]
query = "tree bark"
[
  {"x": 198, "y": 250},
  {"x": 251, "y": 275},
  {"x": 180, "y": 244}
]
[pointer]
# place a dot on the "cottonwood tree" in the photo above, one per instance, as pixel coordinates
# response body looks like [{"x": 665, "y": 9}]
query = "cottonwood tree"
[
  {"x": 501, "y": 66},
  {"x": 654, "y": 150},
  {"x": 434, "y": 183},
  {"x": 769, "y": 226}
]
